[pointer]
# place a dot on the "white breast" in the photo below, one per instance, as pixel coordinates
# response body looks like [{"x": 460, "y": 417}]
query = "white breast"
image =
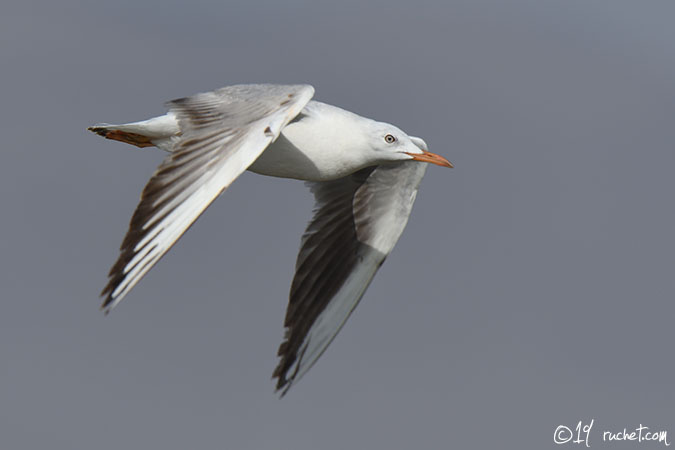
[{"x": 316, "y": 147}]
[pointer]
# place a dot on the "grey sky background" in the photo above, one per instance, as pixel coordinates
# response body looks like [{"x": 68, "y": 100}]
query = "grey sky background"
[{"x": 532, "y": 288}]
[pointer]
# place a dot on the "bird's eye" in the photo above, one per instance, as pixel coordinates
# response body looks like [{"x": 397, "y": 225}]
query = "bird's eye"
[{"x": 389, "y": 139}]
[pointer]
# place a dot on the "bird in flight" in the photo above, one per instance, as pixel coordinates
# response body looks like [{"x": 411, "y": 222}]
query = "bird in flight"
[{"x": 364, "y": 176}]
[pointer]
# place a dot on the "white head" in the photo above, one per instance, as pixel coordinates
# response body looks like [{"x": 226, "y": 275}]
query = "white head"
[
  {"x": 391, "y": 144},
  {"x": 356, "y": 141}
]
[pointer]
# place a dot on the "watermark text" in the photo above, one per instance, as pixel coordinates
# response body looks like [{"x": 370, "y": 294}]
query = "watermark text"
[{"x": 582, "y": 434}]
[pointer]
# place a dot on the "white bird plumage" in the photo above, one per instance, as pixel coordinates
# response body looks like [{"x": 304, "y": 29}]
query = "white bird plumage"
[{"x": 364, "y": 175}]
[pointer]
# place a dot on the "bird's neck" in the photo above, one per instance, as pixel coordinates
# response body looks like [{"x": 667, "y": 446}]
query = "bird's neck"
[{"x": 334, "y": 139}]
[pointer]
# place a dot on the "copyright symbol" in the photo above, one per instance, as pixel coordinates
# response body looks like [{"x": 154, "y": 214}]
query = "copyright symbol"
[{"x": 562, "y": 435}]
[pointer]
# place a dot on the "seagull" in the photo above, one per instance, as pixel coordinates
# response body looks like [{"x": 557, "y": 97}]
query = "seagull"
[{"x": 364, "y": 176}]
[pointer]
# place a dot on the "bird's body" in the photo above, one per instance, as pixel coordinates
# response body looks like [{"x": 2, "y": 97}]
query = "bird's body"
[
  {"x": 363, "y": 174},
  {"x": 303, "y": 154},
  {"x": 299, "y": 152}
]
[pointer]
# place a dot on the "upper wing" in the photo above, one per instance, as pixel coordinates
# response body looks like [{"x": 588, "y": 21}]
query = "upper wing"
[
  {"x": 223, "y": 132},
  {"x": 356, "y": 224}
]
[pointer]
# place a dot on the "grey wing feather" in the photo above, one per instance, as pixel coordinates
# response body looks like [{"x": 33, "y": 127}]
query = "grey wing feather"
[
  {"x": 356, "y": 223},
  {"x": 223, "y": 132}
]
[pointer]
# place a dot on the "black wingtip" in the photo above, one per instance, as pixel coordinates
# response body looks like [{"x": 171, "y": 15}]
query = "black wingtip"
[
  {"x": 107, "y": 293},
  {"x": 283, "y": 383},
  {"x": 101, "y": 131},
  {"x": 282, "y": 387},
  {"x": 105, "y": 306}
]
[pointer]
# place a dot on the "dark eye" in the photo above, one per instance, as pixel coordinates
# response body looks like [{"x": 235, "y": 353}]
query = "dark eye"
[{"x": 389, "y": 139}]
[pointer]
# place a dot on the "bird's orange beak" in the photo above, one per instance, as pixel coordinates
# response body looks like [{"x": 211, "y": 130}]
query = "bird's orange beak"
[{"x": 432, "y": 158}]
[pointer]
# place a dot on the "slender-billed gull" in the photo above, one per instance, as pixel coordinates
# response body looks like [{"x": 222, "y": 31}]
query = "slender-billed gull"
[{"x": 364, "y": 176}]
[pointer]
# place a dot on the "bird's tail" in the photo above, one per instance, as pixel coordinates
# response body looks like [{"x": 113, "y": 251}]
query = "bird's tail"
[
  {"x": 160, "y": 131},
  {"x": 115, "y": 133}
]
